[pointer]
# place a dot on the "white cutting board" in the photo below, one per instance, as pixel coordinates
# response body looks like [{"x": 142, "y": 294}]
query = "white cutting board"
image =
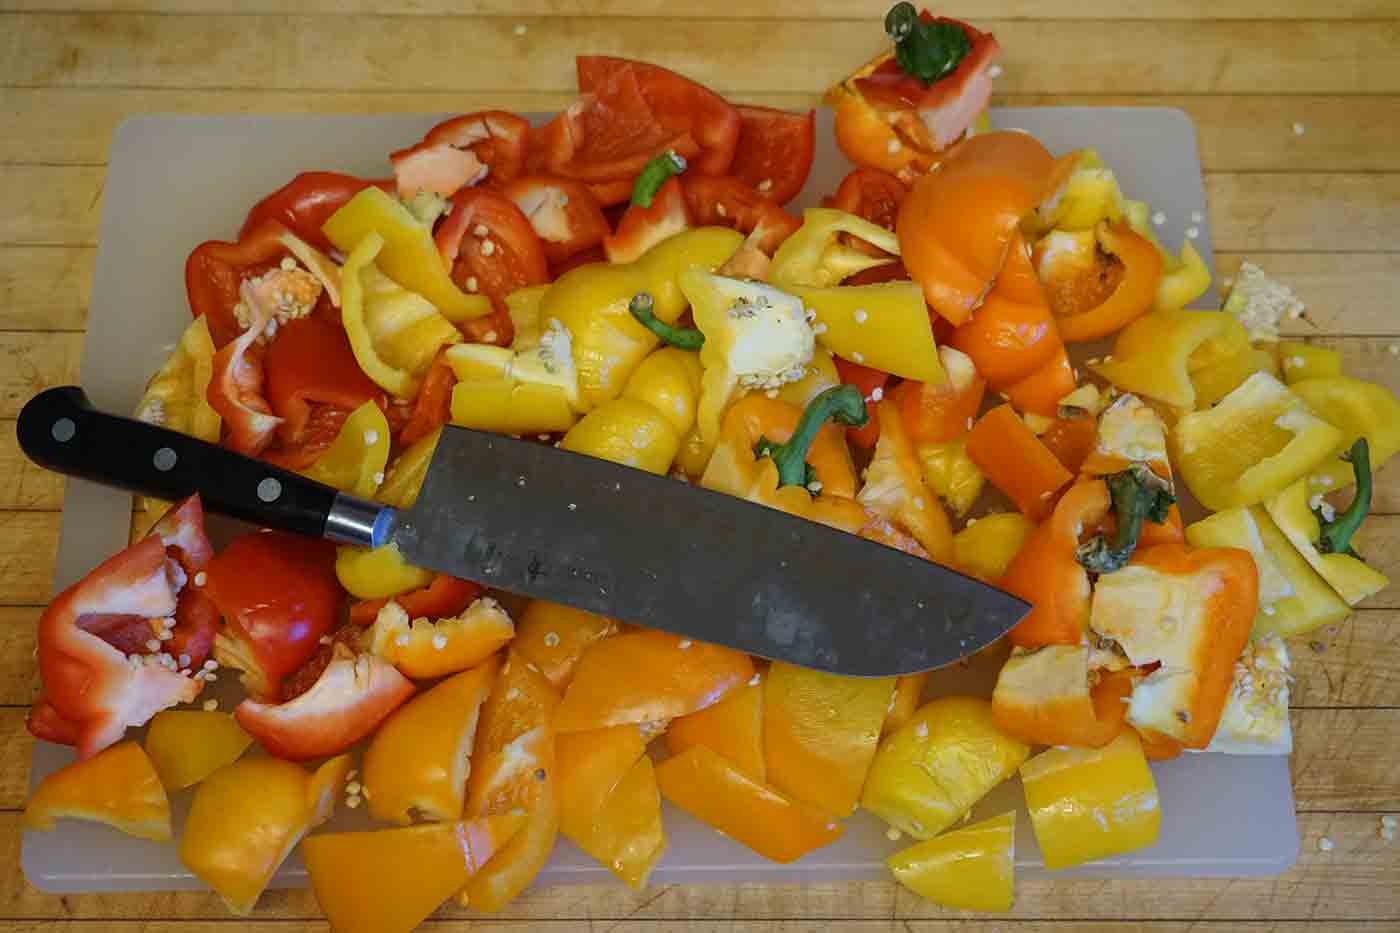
[{"x": 173, "y": 182}]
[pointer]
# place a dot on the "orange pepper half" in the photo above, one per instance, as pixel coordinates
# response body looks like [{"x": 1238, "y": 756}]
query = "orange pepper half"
[
  {"x": 117, "y": 787},
  {"x": 1016, "y": 462},
  {"x": 648, "y": 676},
  {"x": 609, "y": 804},
  {"x": 732, "y": 728},
  {"x": 714, "y": 791},
  {"x": 1045, "y": 573}
]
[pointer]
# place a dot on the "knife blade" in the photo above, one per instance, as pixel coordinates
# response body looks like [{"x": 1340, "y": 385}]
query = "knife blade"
[{"x": 546, "y": 523}]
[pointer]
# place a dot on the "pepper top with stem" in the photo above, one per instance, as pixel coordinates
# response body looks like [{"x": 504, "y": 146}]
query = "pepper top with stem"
[
  {"x": 654, "y": 174},
  {"x": 1337, "y": 533},
  {"x": 684, "y": 338},
  {"x": 1138, "y": 494},
  {"x": 842, "y": 403}
]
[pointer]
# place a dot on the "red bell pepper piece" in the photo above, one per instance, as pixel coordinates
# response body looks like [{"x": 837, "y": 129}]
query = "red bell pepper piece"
[
  {"x": 867, "y": 380},
  {"x": 444, "y": 598},
  {"x": 236, "y": 389},
  {"x": 641, "y": 228},
  {"x": 498, "y": 138},
  {"x": 726, "y": 201},
  {"x": 433, "y": 407},
  {"x": 215, "y": 271},
  {"x": 310, "y": 364},
  {"x": 775, "y": 151},
  {"x": 564, "y": 213},
  {"x": 348, "y": 701},
  {"x": 278, "y": 595},
  {"x": 872, "y": 194},
  {"x": 303, "y": 204},
  {"x": 437, "y": 168}
]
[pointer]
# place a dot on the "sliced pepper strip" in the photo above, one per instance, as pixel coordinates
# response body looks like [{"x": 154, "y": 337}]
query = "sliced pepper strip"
[
  {"x": 1152, "y": 355},
  {"x": 1015, "y": 461}
]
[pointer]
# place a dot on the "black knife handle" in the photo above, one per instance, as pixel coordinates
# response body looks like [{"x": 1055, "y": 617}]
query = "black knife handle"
[{"x": 61, "y": 431}]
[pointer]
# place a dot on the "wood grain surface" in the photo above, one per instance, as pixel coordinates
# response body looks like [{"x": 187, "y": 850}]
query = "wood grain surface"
[{"x": 1320, "y": 209}]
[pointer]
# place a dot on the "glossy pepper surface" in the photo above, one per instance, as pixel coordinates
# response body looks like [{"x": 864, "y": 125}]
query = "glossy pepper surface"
[
  {"x": 424, "y": 647},
  {"x": 554, "y": 637},
  {"x": 732, "y": 728},
  {"x": 117, "y": 787},
  {"x": 609, "y": 805},
  {"x": 186, "y": 746},
  {"x": 967, "y": 869}
]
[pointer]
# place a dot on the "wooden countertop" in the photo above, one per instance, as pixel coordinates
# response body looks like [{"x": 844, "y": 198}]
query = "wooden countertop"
[{"x": 1319, "y": 208}]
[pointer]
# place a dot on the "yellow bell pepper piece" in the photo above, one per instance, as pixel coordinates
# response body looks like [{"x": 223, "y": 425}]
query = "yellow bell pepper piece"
[
  {"x": 950, "y": 473},
  {"x": 356, "y": 459},
  {"x": 591, "y": 302},
  {"x": 175, "y": 398},
  {"x": 419, "y": 759},
  {"x": 504, "y": 408},
  {"x": 894, "y": 487},
  {"x": 1302, "y": 361},
  {"x": 117, "y": 787},
  {"x": 1358, "y": 409},
  {"x": 1183, "y": 284},
  {"x": 247, "y": 818},
  {"x": 409, "y": 255},
  {"x": 1255, "y": 442},
  {"x": 543, "y": 357},
  {"x": 628, "y": 432},
  {"x": 967, "y": 869},
  {"x": 885, "y": 326},
  {"x": 815, "y": 257},
  {"x": 1214, "y": 382},
  {"x": 404, "y": 478},
  {"x": 927, "y": 775},
  {"x": 374, "y": 311},
  {"x": 821, "y": 375},
  {"x": 186, "y": 746},
  {"x": 390, "y": 880},
  {"x": 378, "y": 572},
  {"x": 986, "y": 547},
  {"x": 1348, "y": 575},
  {"x": 1091, "y": 803},
  {"x": 1088, "y": 196},
  {"x": 523, "y": 306},
  {"x": 1152, "y": 355},
  {"x": 669, "y": 381},
  {"x": 1138, "y": 215}
]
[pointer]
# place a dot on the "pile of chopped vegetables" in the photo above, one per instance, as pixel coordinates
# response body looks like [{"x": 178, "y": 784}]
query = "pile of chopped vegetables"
[{"x": 625, "y": 282}]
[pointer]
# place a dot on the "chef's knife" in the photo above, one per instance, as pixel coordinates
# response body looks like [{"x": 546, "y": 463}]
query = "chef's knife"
[{"x": 531, "y": 519}]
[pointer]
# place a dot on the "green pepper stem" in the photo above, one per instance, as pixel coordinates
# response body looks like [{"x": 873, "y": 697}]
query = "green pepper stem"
[
  {"x": 684, "y": 338},
  {"x": 1138, "y": 494},
  {"x": 1336, "y": 534},
  {"x": 843, "y": 404},
  {"x": 654, "y": 174},
  {"x": 926, "y": 51}
]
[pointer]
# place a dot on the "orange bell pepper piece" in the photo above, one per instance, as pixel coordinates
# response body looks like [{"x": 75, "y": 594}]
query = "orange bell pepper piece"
[
  {"x": 1041, "y": 391},
  {"x": 648, "y": 676},
  {"x": 513, "y": 768},
  {"x": 117, "y": 787},
  {"x": 248, "y": 817},
  {"x": 894, "y": 488},
  {"x": 425, "y": 648},
  {"x": 732, "y": 728},
  {"x": 186, "y": 746},
  {"x": 1134, "y": 295},
  {"x": 419, "y": 759},
  {"x": 820, "y": 731},
  {"x": 1189, "y": 611},
  {"x": 1158, "y": 747},
  {"x": 1071, "y": 440},
  {"x": 390, "y": 880},
  {"x": 715, "y": 791},
  {"x": 956, "y": 224},
  {"x": 1044, "y": 697},
  {"x": 554, "y": 637},
  {"x": 1012, "y": 334},
  {"x": 1045, "y": 573},
  {"x": 609, "y": 805},
  {"x": 908, "y": 695},
  {"x": 1016, "y": 462},
  {"x": 934, "y": 413}
]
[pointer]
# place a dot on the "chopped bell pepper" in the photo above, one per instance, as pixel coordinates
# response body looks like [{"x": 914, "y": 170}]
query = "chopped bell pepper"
[
  {"x": 626, "y": 431},
  {"x": 1293, "y": 597},
  {"x": 937, "y": 412},
  {"x": 820, "y": 733},
  {"x": 1071, "y": 440},
  {"x": 1015, "y": 461},
  {"x": 894, "y": 487},
  {"x": 117, "y": 787},
  {"x": 1259, "y": 439},
  {"x": 553, "y": 637},
  {"x": 732, "y": 729},
  {"x": 1045, "y": 697},
  {"x": 1357, "y": 409},
  {"x": 985, "y": 549},
  {"x": 950, "y": 474},
  {"x": 1011, "y": 335},
  {"x": 175, "y": 398},
  {"x": 186, "y": 746},
  {"x": 1184, "y": 279},
  {"x": 871, "y": 383},
  {"x": 348, "y": 701},
  {"x": 247, "y": 818},
  {"x": 1189, "y": 611},
  {"x": 716, "y": 791},
  {"x": 511, "y": 408},
  {"x": 817, "y": 256},
  {"x": 356, "y": 459},
  {"x": 647, "y": 676},
  {"x": 1087, "y": 196},
  {"x": 664, "y": 214},
  {"x": 404, "y": 478},
  {"x": 419, "y": 759},
  {"x": 1139, "y": 497},
  {"x": 1084, "y": 308},
  {"x": 926, "y": 776},
  {"x": 1046, "y": 574},
  {"x": 822, "y": 374},
  {"x": 884, "y": 325},
  {"x": 1302, "y": 361},
  {"x": 236, "y": 389},
  {"x": 390, "y": 880},
  {"x": 1327, "y": 546},
  {"x": 445, "y": 596},
  {"x": 908, "y": 694},
  {"x": 1256, "y": 720},
  {"x": 394, "y": 333},
  {"x": 1214, "y": 382},
  {"x": 971, "y": 868},
  {"x": 1152, "y": 355},
  {"x": 1087, "y": 804},
  {"x": 513, "y": 767},
  {"x": 669, "y": 381},
  {"x": 406, "y": 254},
  {"x": 609, "y": 804},
  {"x": 376, "y": 573},
  {"x": 424, "y": 648}
]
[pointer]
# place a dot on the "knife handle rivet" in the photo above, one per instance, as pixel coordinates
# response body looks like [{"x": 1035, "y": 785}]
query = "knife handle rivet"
[
  {"x": 164, "y": 459},
  {"x": 269, "y": 489},
  {"x": 63, "y": 430}
]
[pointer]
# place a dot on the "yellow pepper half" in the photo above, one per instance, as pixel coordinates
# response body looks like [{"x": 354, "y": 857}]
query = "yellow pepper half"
[
  {"x": 1254, "y": 443},
  {"x": 356, "y": 459},
  {"x": 1151, "y": 356},
  {"x": 117, "y": 787},
  {"x": 967, "y": 869},
  {"x": 1358, "y": 409},
  {"x": 186, "y": 746},
  {"x": 885, "y": 326},
  {"x": 378, "y": 572},
  {"x": 1348, "y": 575},
  {"x": 394, "y": 333},
  {"x": 175, "y": 398},
  {"x": 927, "y": 775},
  {"x": 950, "y": 473},
  {"x": 409, "y": 256},
  {"x": 1091, "y": 803},
  {"x": 815, "y": 256},
  {"x": 1301, "y": 361}
]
